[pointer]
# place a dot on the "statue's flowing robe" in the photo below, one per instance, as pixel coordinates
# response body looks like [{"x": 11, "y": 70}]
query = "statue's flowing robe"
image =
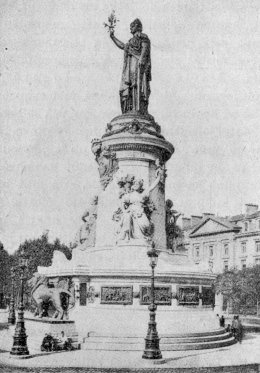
[{"x": 137, "y": 49}]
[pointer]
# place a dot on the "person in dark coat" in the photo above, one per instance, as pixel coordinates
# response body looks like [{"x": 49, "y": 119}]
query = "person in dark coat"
[
  {"x": 239, "y": 330},
  {"x": 222, "y": 321},
  {"x": 47, "y": 343}
]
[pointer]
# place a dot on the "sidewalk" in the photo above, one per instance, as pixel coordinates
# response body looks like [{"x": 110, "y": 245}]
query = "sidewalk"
[{"x": 239, "y": 354}]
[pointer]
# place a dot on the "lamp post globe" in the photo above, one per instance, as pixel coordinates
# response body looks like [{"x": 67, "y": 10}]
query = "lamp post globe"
[
  {"x": 20, "y": 338},
  {"x": 152, "y": 347},
  {"x": 11, "y": 316}
]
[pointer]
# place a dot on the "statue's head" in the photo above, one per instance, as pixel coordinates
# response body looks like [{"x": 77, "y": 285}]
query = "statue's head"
[
  {"x": 138, "y": 185},
  {"x": 135, "y": 26}
]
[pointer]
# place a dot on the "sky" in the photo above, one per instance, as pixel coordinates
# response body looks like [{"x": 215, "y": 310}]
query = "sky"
[{"x": 59, "y": 79}]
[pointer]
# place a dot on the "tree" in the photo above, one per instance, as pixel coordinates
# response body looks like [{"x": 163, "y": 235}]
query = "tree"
[
  {"x": 252, "y": 289},
  {"x": 228, "y": 284},
  {"x": 241, "y": 288},
  {"x": 5, "y": 275},
  {"x": 40, "y": 253}
]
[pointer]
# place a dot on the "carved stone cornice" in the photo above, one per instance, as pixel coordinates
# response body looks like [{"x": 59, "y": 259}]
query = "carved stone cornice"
[
  {"x": 162, "y": 153},
  {"x": 147, "y": 117},
  {"x": 247, "y": 234},
  {"x": 134, "y": 127},
  {"x": 212, "y": 233}
]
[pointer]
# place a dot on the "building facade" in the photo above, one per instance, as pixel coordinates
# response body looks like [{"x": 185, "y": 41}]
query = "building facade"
[{"x": 221, "y": 243}]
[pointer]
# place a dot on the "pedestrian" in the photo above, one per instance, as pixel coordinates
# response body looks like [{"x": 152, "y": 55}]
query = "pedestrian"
[
  {"x": 239, "y": 330},
  {"x": 234, "y": 326},
  {"x": 222, "y": 321}
]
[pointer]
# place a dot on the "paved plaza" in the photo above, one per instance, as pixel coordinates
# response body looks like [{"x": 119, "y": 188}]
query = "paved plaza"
[{"x": 246, "y": 353}]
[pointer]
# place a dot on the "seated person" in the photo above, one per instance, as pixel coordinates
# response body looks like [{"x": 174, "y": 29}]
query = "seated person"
[
  {"x": 66, "y": 342},
  {"x": 47, "y": 343},
  {"x": 228, "y": 328}
]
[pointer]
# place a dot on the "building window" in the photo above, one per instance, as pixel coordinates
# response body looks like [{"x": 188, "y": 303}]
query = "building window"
[
  {"x": 197, "y": 251},
  {"x": 225, "y": 265},
  {"x": 211, "y": 252},
  {"x": 243, "y": 263},
  {"x": 257, "y": 261},
  {"x": 226, "y": 249},
  {"x": 243, "y": 247},
  {"x": 257, "y": 246}
]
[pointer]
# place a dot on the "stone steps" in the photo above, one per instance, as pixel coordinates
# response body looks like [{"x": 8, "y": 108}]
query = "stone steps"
[
  {"x": 253, "y": 328},
  {"x": 249, "y": 321},
  {"x": 167, "y": 343},
  {"x": 164, "y": 340}
]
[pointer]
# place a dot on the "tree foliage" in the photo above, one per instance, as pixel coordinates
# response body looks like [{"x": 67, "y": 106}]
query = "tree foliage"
[
  {"x": 241, "y": 289},
  {"x": 4, "y": 274},
  {"x": 39, "y": 252}
]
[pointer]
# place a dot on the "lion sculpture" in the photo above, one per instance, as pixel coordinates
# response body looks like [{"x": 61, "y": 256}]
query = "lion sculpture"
[{"x": 43, "y": 294}]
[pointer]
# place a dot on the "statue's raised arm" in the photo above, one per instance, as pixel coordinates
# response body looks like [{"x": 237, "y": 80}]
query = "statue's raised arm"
[
  {"x": 117, "y": 42},
  {"x": 136, "y": 76}
]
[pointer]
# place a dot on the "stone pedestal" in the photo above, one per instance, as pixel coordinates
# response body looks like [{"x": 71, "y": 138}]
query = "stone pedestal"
[
  {"x": 109, "y": 266},
  {"x": 140, "y": 150}
]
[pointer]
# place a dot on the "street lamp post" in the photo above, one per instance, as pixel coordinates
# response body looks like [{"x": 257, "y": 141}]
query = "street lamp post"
[
  {"x": 152, "y": 348},
  {"x": 20, "y": 337},
  {"x": 11, "y": 316}
]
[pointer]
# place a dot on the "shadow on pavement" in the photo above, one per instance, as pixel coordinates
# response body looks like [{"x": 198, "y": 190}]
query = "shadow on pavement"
[{"x": 164, "y": 361}]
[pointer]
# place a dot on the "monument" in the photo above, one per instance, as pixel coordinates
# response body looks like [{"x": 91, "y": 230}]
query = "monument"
[{"x": 109, "y": 268}]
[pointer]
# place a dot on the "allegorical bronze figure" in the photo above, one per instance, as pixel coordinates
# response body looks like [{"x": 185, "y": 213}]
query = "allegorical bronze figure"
[{"x": 136, "y": 76}]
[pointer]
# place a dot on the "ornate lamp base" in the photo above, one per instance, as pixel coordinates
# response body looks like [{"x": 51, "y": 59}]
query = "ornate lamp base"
[
  {"x": 20, "y": 345},
  {"x": 20, "y": 337},
  {"x": 152, "y": 348}
]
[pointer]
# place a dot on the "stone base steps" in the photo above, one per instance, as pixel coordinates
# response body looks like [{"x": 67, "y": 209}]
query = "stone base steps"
[
  {"x": 251, "y": 328},
  {"x": 167, "y": 342},
  {"x": 251, "y": 320}
]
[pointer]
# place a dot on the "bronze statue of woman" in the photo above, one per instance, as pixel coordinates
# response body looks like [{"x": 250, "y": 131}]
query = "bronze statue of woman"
[{"x": 136, "y": 76}]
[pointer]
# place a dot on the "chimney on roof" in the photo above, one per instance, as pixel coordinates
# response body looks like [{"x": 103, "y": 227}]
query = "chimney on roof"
[
  {"x": 251, "y": 208},
  {"x": 186, "y": 223},
  {"x": 195, "y": 219},
  {"x": 207, "y": 214}
]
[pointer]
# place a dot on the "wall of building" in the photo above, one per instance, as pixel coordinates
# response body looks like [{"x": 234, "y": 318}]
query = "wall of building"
[{"x": 224, "y": 250}]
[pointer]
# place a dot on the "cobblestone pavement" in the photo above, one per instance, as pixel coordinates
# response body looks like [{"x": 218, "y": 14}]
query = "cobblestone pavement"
[{"x": 236, "y": 369}]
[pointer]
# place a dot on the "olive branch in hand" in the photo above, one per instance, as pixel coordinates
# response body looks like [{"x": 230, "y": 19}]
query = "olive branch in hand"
[{"x": 112, "y": 21}]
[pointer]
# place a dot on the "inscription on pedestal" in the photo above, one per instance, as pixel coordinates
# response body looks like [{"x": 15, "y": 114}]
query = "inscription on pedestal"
[
  {"x": 116, "y": 295},
  {"x": 162, "y": 295},
  {"x": 188, "y": 295}
]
